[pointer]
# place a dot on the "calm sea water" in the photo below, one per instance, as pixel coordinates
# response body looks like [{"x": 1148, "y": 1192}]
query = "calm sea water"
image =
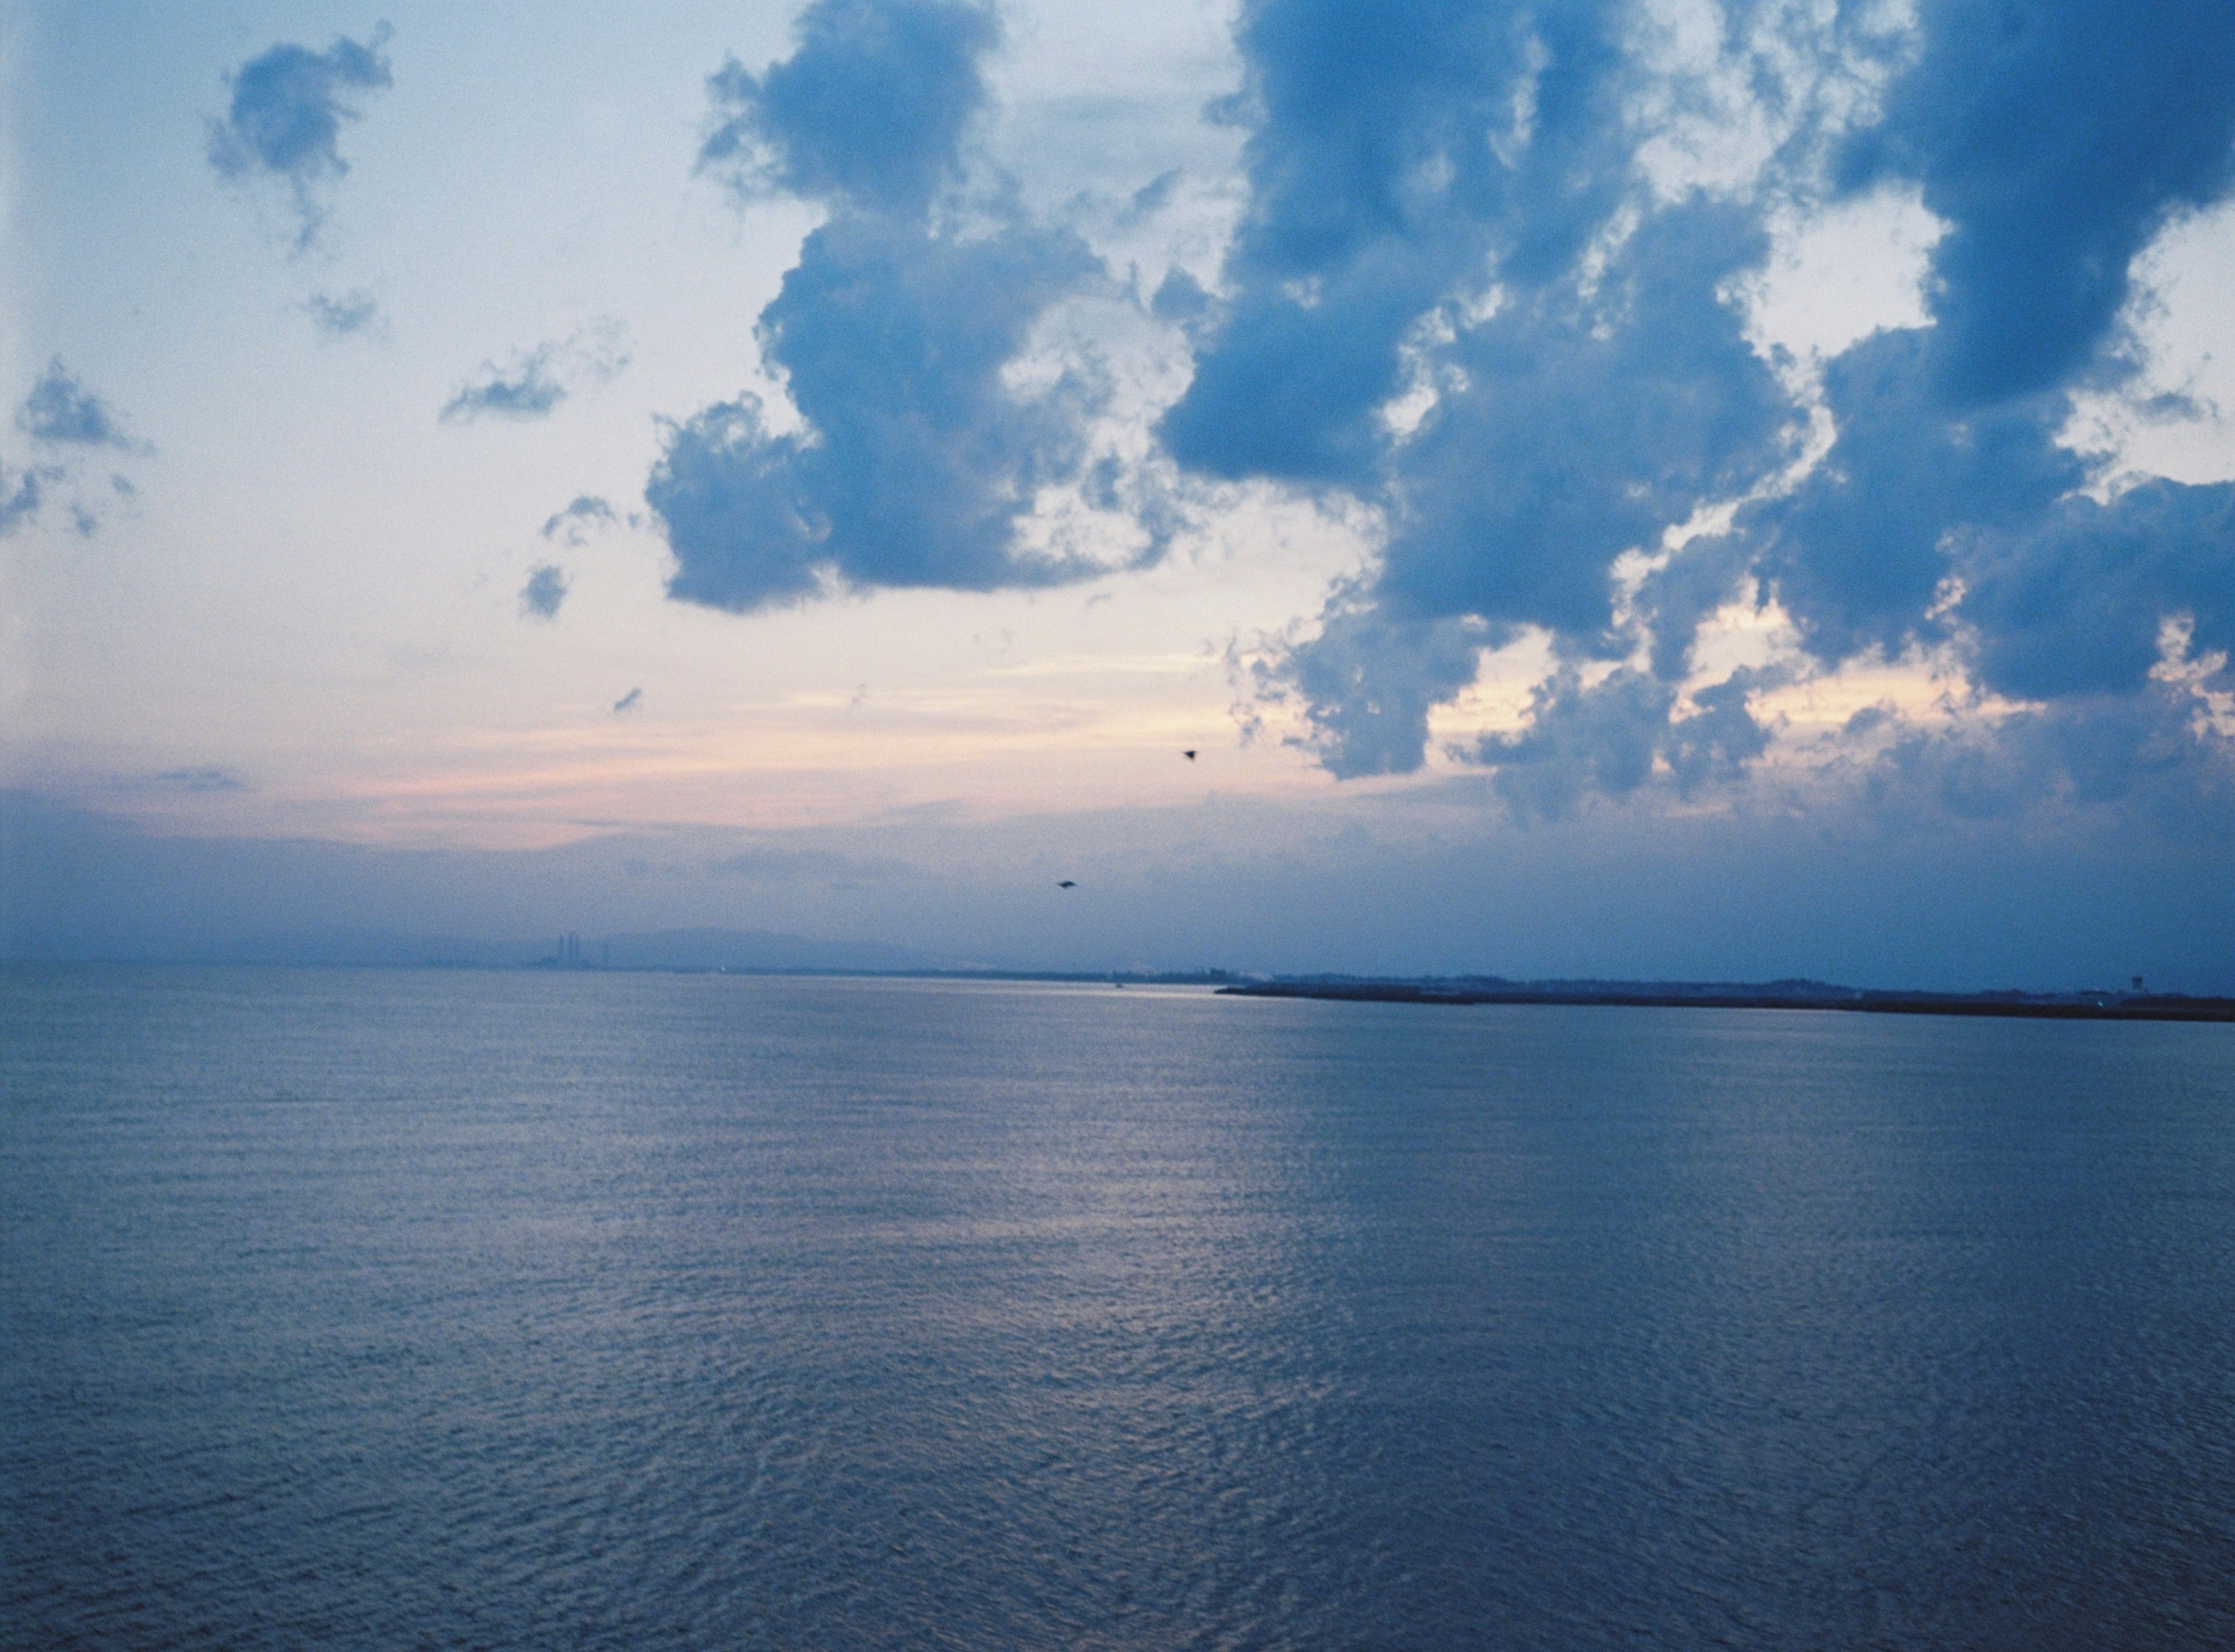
[{"x": 394, "y": 1309}]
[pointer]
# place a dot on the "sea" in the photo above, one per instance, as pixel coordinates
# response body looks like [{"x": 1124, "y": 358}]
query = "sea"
[{"x": 451, "y": 1308}]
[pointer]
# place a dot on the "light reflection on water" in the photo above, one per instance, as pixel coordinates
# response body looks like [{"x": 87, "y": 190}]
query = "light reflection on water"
[{"x": 389, "y": 1308}]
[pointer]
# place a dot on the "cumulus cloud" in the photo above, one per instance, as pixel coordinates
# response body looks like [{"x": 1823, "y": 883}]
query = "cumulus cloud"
[
  {"x": 283, "y": 121},
  {"x": 1387, "y": 168},
  {"x": 920, "y": 453},
  {"x": 2076, "y": 601},
  {"x": 545, "y": 590},
  {"x": 2055, "y": 142},
  {"x": 532, "y": 384},
  {"x": 919, "y": 458},
  {"x": 1471, "y": 289},
  {"x": 870, "y": 108}
]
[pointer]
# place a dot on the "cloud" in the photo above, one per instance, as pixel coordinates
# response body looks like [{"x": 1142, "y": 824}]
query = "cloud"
[
  {"x": 22, "y": 493},
  {"x": 920, "y": 454},
  {"x": 1471, "y": 290},
  {"x": 1369, "y": 679},
  {"x": 574, "y": 524},
  {"x": 772, "y": 865},
  {"x": 62, "y": 417},
  {"x": 1150, "y": 199},
  {"x": 349, "y": 315},
  {"x": 2055, "y": 142},
  {"x": 1857, "y": 552},
  {"x": 919, "y": 458},
  {"x": 527, "y": 388},
  {"x": 61, "y": 410},
  {"x": 1388, "y": 168},
  {"x": 869, "y": 109},
  {"x": 284, "y": 119},
  {"x": 202, "y": 780},
  {"x": 628, "y": 702},
  {"x": 1573, "y": 425},
  {"x": 2075, "y": 601},
  {"x": 545, "y": 590},
  {"x": 533, "y": 382}
]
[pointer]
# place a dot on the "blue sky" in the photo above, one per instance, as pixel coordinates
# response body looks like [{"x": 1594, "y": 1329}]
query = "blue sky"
[{"x": 1782, "y": 446}]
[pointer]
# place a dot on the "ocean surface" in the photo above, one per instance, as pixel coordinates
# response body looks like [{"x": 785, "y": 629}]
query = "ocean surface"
[{"x": 401, "y": 1309}]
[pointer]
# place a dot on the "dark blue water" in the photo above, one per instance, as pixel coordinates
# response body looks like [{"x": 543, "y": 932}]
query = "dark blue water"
[{"x": 400, "y": 1309}]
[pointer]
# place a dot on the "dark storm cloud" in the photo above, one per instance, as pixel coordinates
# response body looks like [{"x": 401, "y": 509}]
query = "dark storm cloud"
[
  {"x": 917, "y": 459},
  {"x": 1453, "y": 211},
  {"x": 286, "y": 115},
  {"x": 61, "y": 410},
  {"x": 545, "y": 590},
  {"x": 870, "y": 108}
]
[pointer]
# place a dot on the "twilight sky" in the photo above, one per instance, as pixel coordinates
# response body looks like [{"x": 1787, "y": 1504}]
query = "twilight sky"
[{"x": 1625, "y": 488}]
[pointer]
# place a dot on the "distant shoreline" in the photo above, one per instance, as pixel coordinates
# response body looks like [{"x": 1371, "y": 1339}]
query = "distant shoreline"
[
  {"x": 2051, "y": 1007},
  {"x": 1463, "y": 990}
]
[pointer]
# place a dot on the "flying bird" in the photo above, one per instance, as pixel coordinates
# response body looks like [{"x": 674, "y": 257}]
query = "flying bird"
[
  {"x": 1066, "y": 883},
  {"x": 1189, "y": 754}
]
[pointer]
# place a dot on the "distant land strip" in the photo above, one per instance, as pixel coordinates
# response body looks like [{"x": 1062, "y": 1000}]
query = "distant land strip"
[{"x": 1777, "y": 995}]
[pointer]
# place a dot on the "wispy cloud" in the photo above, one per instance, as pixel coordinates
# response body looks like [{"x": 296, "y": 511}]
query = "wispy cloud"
[
  {"x": 201, "y": 780},
  {"x": 778, "y": 865},
  {"x": 574, "y": 525},
  {"x": 348, "y": 315},
  {"x": 532, "y": 384}
]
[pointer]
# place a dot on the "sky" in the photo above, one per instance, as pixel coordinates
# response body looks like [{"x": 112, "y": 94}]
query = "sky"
[{"x": 1627, "y": 490}]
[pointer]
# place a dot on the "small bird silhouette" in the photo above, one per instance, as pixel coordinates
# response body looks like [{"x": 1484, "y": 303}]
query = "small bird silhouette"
[
  {"x": 1066, "y": 883},
  {"x": 1189, "y": 755}
]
